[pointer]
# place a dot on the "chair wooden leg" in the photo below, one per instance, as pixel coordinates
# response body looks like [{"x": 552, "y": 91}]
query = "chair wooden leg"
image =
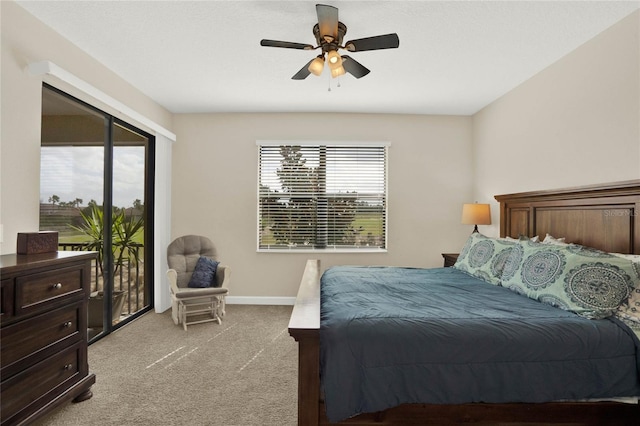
[
  {"x": 183, "y": 315},
  {"x": 175, "y": 312},
  {"x": 199, "y": 306},
  {"x": 217, "y": 304}
]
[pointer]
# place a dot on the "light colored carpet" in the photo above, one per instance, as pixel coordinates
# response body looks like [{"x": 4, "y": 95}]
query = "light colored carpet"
[{"x": 152, "y": 372}]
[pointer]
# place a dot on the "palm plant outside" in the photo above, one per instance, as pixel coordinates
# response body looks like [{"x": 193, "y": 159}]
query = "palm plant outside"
[{"x": 124, "y": 231}]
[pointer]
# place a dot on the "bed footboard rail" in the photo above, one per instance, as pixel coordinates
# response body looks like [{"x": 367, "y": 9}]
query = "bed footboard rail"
[{"x": 304, "y": 327}]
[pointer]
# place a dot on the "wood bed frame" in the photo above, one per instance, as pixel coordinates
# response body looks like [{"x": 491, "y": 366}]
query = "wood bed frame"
[{"x": 603, "y": 216}]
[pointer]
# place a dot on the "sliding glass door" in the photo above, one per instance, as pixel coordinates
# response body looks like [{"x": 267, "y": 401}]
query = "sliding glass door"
[
  {"x": 130, "y": 220},
  {"x": 96, "y": 191}
]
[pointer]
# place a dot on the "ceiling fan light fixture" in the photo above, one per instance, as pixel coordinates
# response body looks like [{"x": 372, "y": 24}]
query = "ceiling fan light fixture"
[
  {"x": 334, "y": 58},
  {"x": 337, "y": 71},
  {"x": 329, "y": 33},
  {"x": 317, "y": 65}
]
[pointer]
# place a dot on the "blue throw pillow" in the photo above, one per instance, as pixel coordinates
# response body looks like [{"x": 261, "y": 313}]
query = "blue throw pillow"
[{"x": 205, "y": 273}]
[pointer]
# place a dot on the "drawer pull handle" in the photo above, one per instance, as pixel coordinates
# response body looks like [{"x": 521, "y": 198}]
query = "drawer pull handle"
[
  {"x": 68, "y": 366},
  {"x": 68, "y": 324},
  {"x": 57, "y": 285}
]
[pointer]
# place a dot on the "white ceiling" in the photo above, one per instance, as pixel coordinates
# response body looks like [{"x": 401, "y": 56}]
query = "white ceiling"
[{"x": 455, "y": 57}]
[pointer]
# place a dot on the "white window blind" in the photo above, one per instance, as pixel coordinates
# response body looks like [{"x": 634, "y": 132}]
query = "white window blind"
[{"x": 323, "y": 197}]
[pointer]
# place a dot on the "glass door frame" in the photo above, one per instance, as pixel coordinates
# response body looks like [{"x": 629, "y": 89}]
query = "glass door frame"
[{"x": 110, "y": 122}]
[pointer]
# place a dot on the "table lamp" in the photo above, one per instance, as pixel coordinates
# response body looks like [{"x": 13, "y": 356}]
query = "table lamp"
[{"x": 476, "y": 214}]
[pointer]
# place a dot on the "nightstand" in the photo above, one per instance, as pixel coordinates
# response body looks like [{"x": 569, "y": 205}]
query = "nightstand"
[{"x": 450, "y": 259}]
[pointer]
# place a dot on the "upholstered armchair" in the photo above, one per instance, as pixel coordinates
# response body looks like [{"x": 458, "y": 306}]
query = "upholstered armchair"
[{"x": 192, "y": 305}]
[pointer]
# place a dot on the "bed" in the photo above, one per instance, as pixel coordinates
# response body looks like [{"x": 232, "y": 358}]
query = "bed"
[{"x": 605, "y": 217}]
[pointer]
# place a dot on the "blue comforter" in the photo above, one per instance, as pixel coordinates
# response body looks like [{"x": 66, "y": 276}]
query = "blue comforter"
[{"x": 390, "y": 336}]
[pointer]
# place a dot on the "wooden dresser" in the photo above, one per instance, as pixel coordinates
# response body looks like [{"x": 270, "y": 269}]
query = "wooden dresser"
[{"x": 43, "y": 334}]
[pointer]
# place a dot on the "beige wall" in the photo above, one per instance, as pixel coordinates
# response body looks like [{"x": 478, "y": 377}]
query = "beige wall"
[
  {"x": 575, "y": 123},
  {"x": 214, "y": 180},
  {"x": 26, "y": 40}
]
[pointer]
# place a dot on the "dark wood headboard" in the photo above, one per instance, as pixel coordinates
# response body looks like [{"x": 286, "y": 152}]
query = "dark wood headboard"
[{"x": 605, "y": 216}]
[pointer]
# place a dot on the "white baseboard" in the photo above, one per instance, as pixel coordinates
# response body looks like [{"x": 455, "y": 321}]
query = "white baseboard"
[{"x": 251, "y": 300}]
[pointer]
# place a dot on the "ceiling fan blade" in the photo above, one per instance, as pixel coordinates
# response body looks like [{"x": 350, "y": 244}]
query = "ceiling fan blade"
[
  {"x": 286, "y": 44},
  {"x": 354, "y": 67},
  {"x": 387, "y": 41},
  {"x": 327, "y": 20},
  {"x": 303, "y": 73}
]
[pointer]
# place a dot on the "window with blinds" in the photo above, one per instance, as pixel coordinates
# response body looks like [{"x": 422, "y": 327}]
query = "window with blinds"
[{"x": 322, "y": 197}]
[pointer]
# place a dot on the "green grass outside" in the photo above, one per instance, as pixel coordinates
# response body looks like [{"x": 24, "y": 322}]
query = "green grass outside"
[
  {"x": 369, "y": 224},
  {"x": 77, "y": 237}
]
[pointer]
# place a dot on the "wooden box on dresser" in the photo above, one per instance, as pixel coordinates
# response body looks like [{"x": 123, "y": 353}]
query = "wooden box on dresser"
[{"x": 43, "y": 333}]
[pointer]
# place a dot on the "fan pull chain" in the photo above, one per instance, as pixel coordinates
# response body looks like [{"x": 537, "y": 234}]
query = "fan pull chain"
[{"x": 337, "y": 84}]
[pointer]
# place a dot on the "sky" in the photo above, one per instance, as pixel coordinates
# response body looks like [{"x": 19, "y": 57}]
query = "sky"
[{"x": 77, "y": 172}]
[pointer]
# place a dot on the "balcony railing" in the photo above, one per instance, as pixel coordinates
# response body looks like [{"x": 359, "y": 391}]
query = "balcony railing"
[{"x": 128, "y": 277}]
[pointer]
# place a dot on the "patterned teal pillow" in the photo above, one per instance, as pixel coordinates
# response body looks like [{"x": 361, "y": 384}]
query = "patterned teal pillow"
[
  {"x": 589, "y": 282},
  {"x": 629, "y": 310},
  {"x": 484, "y": 257}
]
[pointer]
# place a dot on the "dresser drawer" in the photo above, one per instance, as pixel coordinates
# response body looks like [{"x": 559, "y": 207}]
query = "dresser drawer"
[
  {"x": 39, "y": 291},
  {"x": 32, "y": 340},
  {"x": 40, "y": 383}
]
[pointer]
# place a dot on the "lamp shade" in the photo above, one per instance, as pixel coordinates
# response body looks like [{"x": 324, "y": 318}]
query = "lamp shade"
[
  {"x": 476, "y": 214},
  {"x": 337, "y": 72},
  {"x": 334, "y": 59},
  {"x": 316, "y": 66}
]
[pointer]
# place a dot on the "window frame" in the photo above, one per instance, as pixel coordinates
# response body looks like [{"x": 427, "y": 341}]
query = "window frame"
[{"x": 326, "y": 143}]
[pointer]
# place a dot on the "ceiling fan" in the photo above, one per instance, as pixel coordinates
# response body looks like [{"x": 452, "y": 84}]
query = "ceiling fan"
[{"x": 329, "y": 33}]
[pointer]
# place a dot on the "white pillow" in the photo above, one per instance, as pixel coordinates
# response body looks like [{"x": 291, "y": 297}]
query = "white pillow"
[
  {"x": 550, "y": 239},
  {"x": 535, "y": 239},
  {"x": 631, "y": 257}
]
